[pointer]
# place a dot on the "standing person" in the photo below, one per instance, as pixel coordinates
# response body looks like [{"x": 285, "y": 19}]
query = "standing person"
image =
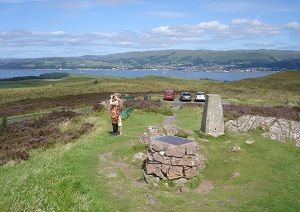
[
  {"x": 115, "y": 112},
  {"x": 120, "y": 116}
]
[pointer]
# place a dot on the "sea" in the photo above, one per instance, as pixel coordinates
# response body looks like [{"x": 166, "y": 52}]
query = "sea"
[{"x": 218, "y": 76}]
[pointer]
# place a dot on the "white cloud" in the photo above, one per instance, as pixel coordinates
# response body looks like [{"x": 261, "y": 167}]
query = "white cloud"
[
  {"x": 209, "y": 34},
  {"x": 212, "y": 25},
  {"x": 254, "y": 26},
  {"x": 293, "y": 25},
  {"x": 165, "y": 14}
]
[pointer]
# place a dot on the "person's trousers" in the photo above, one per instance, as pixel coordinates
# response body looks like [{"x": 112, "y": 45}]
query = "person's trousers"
[{"x": 115, "y": 128}]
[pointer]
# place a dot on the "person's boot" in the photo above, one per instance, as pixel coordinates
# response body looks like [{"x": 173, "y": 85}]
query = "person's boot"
[{"x": 115, "y": 129}]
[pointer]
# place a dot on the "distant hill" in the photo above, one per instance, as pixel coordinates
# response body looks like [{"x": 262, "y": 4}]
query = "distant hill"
[{"x": 273, "y": 59}]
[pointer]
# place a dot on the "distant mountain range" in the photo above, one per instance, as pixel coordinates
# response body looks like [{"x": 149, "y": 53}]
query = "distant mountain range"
[{"x": 166, "y": 59}]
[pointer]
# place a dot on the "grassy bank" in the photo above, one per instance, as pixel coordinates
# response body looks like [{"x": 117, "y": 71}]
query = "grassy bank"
[
  {"x": 98, "y": 173},
  {"x": 275, "y": 89}
]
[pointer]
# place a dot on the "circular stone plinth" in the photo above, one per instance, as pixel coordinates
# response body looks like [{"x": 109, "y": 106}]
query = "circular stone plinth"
[{"x": 172, "y": 157}]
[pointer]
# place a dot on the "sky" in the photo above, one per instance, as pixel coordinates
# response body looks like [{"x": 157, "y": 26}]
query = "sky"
[{"x": 47, "y": 28}]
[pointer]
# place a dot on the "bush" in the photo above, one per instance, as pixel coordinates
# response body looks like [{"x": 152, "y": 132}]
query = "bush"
[
  {"x": 3, "y": 126},
  {"x": 166, "y": 111},
  {"x": 98, "y": 107}
]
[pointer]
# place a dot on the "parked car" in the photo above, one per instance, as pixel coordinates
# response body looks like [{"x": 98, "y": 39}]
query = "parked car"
[
  {"x": 200, "y": 97},
  {"x": 185, "y": 96},
  {"x": 169, "y": 95}
]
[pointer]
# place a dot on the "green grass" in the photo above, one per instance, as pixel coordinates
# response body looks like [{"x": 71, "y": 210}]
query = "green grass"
[
  {"x": 269, "y": 170},
  {"x": 98, "y": 173},
  {"x": 269, "y": 90}
]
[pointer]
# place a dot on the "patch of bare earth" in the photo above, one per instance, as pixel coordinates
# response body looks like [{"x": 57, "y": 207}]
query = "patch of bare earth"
[{"x": 204, "y": 188}]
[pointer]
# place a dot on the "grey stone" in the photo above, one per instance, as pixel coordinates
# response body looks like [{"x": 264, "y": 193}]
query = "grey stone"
[
  {"x": 139, "y": 156},
  {"x": 191, "y": 148},
  {"x": 213, "y": 119},
  {"x": 151, "y": 179},
  {"x": 112, "y": 174},
  {"x": 150, "y": 132},
  {"x": 235, "y": 175},
  {"x": 248, "y": 122},
  {"x": 279, "y": 129},
  {"x": 295, "y": 132},
  {"x": 161, "y": 159},
  {"x": 165, "y": 169},
  {"x": 236, "y": 148},
  {"x": 250, "y": 141}
]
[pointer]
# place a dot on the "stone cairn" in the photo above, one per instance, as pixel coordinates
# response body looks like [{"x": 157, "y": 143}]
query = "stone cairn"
[{"x": 171, "y": 157}]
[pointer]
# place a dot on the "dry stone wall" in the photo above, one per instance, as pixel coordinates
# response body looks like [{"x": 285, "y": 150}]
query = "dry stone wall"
[{"x": 278, "y": 129}]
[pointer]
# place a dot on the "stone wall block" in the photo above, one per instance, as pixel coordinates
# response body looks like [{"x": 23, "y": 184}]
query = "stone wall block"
[
  {"x": 178, "y": 151},
  {"x": 175, "y": 172}
]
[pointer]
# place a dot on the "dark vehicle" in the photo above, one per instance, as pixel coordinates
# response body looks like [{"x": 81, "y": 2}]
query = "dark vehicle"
[
  {"x": 185, "y": 96},
  {"x": 200, "y": 97},
  {"x": 169, "y": 95}
]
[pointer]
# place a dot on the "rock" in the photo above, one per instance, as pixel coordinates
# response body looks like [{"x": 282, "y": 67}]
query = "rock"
[
  {"x": 161, "y": 153},
  {"x": 235, "y": 175},
  {"x": 165, "y": 169},
  {"x": 161, "y": 159},
  {"x": 184, "y": 161},
  {"x": 180, "y": 182},
  {"x": 112, "y": 174},
  {"x": 139, "y": 156},
  {"x": 154, "y": 169},
  {"x": 250, "y": 141},
  {"x": 279, "y": 129},
  {"x": 248, "y": 122},
  {"x": 151, "y": 179},
  {"x": 190, "y": 172},
  {"x": 175, "y": 172},
  {"x": 236, "y": 148},
  {"x": 177, "y": 151},
  {"x": 295, "y": 132},
  {"x": 151, "y": 131},
  {"x": 149, "y": 156},
  {"x": 156, "y": 146},
  {"x": 191, "y": 148},
  {"x": 151, "y": 200}
]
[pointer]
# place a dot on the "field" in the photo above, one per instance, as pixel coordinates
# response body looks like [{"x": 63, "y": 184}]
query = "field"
[{"x": 93, "y": 171}]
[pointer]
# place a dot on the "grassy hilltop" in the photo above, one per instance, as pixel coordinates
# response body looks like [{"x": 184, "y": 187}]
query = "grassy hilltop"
[
  {"x": 97, "y": 172},
  {"x": 270, "y": 90},
  {"x": 277, "y": 59}
]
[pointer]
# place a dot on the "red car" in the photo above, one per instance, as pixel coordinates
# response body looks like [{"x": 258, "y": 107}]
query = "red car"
[{"x": 169, "y": 95}]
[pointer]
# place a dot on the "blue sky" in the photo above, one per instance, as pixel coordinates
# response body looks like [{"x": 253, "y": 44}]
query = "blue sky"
[{"x": 42, "y": 28}]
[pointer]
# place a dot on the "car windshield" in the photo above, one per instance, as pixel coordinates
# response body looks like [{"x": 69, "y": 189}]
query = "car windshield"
[
  {"x": 200, "y": 93},
  {"x": 186, "y": 94}
]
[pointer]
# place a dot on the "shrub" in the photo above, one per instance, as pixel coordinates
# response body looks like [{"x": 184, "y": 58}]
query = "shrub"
[
  {"x": 4, "y": 125},
  {"x": 166, "y": 111}
]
